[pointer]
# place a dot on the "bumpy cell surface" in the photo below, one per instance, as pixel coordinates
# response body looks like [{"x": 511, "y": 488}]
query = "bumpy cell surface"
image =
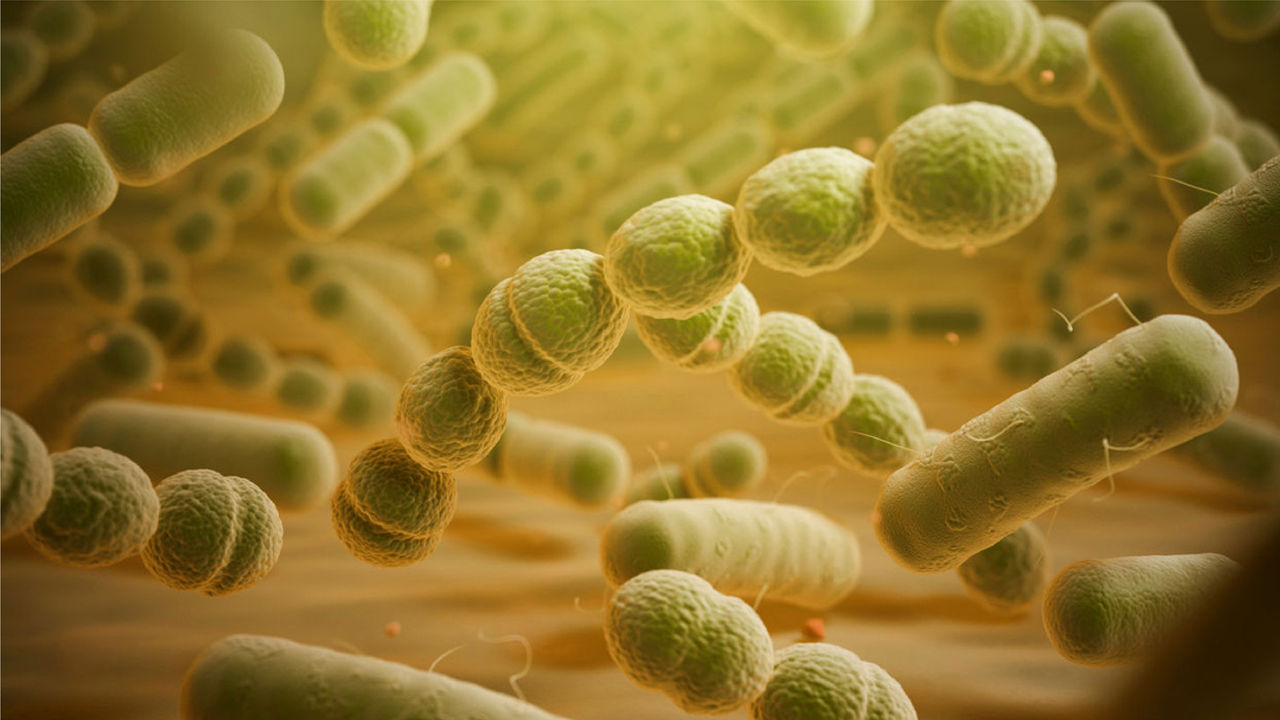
[
  {"x": 387, "y": 486},
  {"x": 809, "y": 211},
  {"x": 969, "y": 174},
  {"x": 376, "y": 34},
  {"x": 540, "y": 330},
  {"x": 818, "y": 681},
  {"x": 1008, "y": 576},
  {"x": 101, "y": 511},
  {"x": 217, "y": 534},
  {"x": 795, "y": 371},
  {"x": 987, "y": 40},
  {"x": 885, "y": 411},
  {"x": 676, "y": 257},
  {"x": 448, "y": 416},
  {"x": 710, "y": 341},
  {"x": 26, "y": 475},
  {"x": 671, "y": 631}
]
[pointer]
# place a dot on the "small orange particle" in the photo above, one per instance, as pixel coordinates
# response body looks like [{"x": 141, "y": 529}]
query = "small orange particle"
[
  {"x": 969, "y": 250},
  {"x": 444, "y": 261},
  {"x": 865, "y": 146},
  {"x": 1046, "y": 77},
  {"x": 814, "y": 629},
  {"x": 661, "y": 446},
  {"x": 97, "y": 341},
  {"x": 391, "y": 629},
  {"x": 953, "y": 338},
  {"x": 157, "y": 385},
  {"x": 712, "y": 344}
]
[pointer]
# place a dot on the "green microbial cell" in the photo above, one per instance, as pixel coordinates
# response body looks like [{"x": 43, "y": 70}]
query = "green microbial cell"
[
  {"x": 291, "y": 461},
  {"x": 174, "y": 320},
  {"x": 52, "y": 183},
  {"x": 245, "y": 363},
  {"x": 819, "y": 681},
  {"x": 879, "y": 431},
  {"x": 23, "y": 63},
  {"x": 330, "y": 115},
  {"x": 200, "y": 228},
  {"x": 169, "y": 117},
  {"x": 990, "y": 41},
  {"x": 540, "y": 330},
  {"x": 844, "y": 319},
  {"x": 1152, "y": 80},
  {"x": 919, "y": 83},
  {"x": 389, "y": 510},
  {"x": 243, "y": 185},
  {"x": 1243, "y": 20},
  {"x": 1244, "y": 450},
  {"x": 727, "y": 464},
  {"x": 26, "y": 475},
  {"x": 442, "y": 103},
  {"x": 448, "y": 416},
  {"x": 254, "y": 677},
  {"x": 571, "y": 464},
  {"x": 664, "y": 481},
  {"x": 399, "y": 276},
  {"x": 1006, "y": 577},
  {"x": 718, "y": 160},
  {"x": 627, "y": 118},
  {"x": 1060, "y": 74},
  {"x": 1026, "y": 358},
  {"x": 1191, "y": 183},
  {"x": 369, "y": 88},
  {"x": 710, "y": 341},
  {"x": 1143, "y": 391},
  {"x": 795, "y": 371},
  {"x": 283, "y": 148},
  {"x": 368, "y": 399},
  {"x": 309, "y": 386},
  {"x": 742, "y": 547},
  {"x": 671, "y": 631},
  {"x": 815, "y": 29},
  {"x": 676, "y": 257},
  {"x": 809, "y": 211},
  {"x": 65, "y": 27},
  {"x": 122, "y": 358},
  {"x": 380, "y": 328},
  {"x": 106, "y": 271},
  {"x": 334, "y": 188},
  {"x": 1257, "y": 143},
  {"x": 969, "y": 174},
  {"x": 101, "y": 511},
  {"x": 1098, "y": 110},
  {"x": 376, "y": 34},
  {"x": 1224, "y": 257},
  {"x": 216, "y": 534},
  {"x": 938, "y": 320},
  {"x": 1115, "y": 611},
  {"x": 651, "y": 186}
]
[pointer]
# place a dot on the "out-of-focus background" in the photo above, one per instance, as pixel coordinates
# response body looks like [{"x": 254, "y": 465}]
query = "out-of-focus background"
[{"x": 656, "y": 83}]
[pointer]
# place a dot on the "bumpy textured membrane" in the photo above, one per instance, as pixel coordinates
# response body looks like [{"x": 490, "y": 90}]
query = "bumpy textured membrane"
[
  {"x": 1226, "y": 256},
  {"x": 26, "y": 475},
  {"x": 672, "y": 632},
  {"x": 710, "y": 341},
  {"x": 818, "y": 681},
  {"x": 185, "y": 109},
  {"x": 795, "y": 371},
  {"x": 1145, "y": 390},
  {"x": 101, "y": 511},
  {"x": 389, "y": 510},
  {"x": 1007, "y": 576},
  {"x": 448, "y": 416},
  {"x": 253, "y": 677},
  {"x": 676, "y": 257},
  {"x": 809, "y": 211},
  {"x": 1116, "y": 610},
  {"x": 987, "y": 40},
  {"x": 742, "y": 547},
  {"x": 540, "y": 330},
  {"x": 376, "y": 34},
  {"x": 884, "y": 410},
  {"x": 53, "y": 182},
  {"x": 216, "y": 534},
  {"x": 969, "y": 174}
]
